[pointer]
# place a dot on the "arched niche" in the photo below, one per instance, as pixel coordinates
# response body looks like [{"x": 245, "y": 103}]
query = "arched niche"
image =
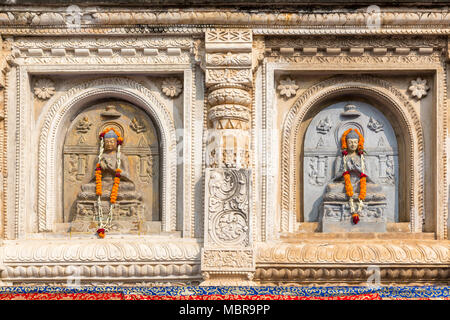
[
  {"x": 321, "y": 148},
  {"x": 56, "y": 120},
  {"x": 140, "y": 165},
  {"x": 395, "y": 108}
]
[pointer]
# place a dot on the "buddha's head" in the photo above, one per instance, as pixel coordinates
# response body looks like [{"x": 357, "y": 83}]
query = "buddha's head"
[
  {"x": 110, "y": 141},
  {"x": 352, "y": 141}
]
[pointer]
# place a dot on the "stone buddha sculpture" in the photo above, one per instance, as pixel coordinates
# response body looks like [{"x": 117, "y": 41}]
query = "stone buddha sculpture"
[
  {"x": 128, "y": 202},
  {"x": 108, "y": 164},
  {"x": 352, "y": 194},
  {"x": 353, "y": 164}
]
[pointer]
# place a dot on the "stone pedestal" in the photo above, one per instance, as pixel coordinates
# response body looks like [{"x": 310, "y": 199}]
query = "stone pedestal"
[
  {"x": 336, "y": 217},
  {"x": 127, "y": 217}
]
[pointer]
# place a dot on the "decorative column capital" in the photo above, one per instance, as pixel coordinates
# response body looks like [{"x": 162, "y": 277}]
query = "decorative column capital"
[{"x": 229, "y": 79}]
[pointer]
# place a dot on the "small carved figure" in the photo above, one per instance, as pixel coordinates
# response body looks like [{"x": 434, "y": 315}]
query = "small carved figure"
[
  {"x": 137, "y": 126},
  {"x": 375, "y": 125},
  {"x": 324, "y": 126},
  {"x": 83, "y": 125}
]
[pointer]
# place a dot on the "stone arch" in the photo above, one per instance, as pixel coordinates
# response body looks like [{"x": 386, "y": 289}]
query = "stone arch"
[
  {"x": 71, "y": 103},
  {"x": 364, "y": 86}
]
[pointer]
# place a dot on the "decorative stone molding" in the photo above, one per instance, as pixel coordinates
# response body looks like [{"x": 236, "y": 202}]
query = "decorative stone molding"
[
  {"x": 390, "y": 21},
  {"x": 131, "y": 261},
  {"x": 383, "y": 252},
  {"x": 353, "y": 262},
  {"x": 363, "y": 85},
  {"x": 72, "y": 99},
  {"x": 419, "y": 88},
  {"x": 351, "y": 275},
  {"x": 352, "y": 45},
  {"x": 105, "y": 50}
]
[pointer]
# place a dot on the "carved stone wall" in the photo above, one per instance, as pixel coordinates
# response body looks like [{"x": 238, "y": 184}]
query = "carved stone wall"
[{"x": 230, "y": 94}]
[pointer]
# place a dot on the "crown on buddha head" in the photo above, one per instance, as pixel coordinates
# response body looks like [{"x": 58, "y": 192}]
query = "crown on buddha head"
[
  {"x": 352, "y": 135},
  {"x": 111, "y": 134}
]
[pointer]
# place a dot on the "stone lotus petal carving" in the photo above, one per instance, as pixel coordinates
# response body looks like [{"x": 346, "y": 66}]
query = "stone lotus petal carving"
[
  {"x": 44, "y": 88},
  {"x": 172, "y": 87},
  {"x": 419, "y": 88},
  {"x": 287, "y": 87},
  {"x": 387, "y": 252}
]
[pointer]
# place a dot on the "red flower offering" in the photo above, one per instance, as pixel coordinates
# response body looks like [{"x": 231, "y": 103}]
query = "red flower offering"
[
  {"x": 101, "y": 233},
  {"x": 355, "y": 218}
]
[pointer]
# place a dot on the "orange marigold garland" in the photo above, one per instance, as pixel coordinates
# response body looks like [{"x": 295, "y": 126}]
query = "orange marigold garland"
[
  {"x": 98, "y": 182},
  {"x": 346, "y": 175}
]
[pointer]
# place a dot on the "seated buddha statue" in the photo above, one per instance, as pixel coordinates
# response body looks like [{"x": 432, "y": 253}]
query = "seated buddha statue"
[
  {"x": 352, "y": 184},
  {"x": 110, "y": 165}
]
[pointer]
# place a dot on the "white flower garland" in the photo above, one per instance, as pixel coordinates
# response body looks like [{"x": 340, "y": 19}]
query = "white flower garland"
[{"x": 363, "y": 169}]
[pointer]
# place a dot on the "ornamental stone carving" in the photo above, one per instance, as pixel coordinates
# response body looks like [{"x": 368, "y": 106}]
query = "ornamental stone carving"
[
  {"x": 172, "y": 87},
  {"x": 136, "y": 204},
  {"x": 287, "y": 88},
  {"x": 229, "y": 81},
  {"x": 375, "y": 125},
  {"x": 228, "y": 208},
  {"x": 44, "y": 88},
  {"x": 228, "y": 243},
  {"x": 419, "y": 88},
  {"x": 242, "y": 145}
]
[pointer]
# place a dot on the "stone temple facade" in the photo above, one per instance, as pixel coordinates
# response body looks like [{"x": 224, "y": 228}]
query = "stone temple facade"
[{"x": 232, "y": 117}]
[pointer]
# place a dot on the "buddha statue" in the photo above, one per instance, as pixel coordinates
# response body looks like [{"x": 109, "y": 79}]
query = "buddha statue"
[
  {"x": 109, "y": 199},
  {"x": 352, "y": 194}
]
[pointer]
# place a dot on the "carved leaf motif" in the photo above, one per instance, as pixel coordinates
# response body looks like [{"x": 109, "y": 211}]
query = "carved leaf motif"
[{"x": 228, "y": 207}]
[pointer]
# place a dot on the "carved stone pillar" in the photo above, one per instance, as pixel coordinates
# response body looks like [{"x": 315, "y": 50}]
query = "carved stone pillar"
[
  {"x": 4, "y": 67},
  {"x": 227, "y": 256}
]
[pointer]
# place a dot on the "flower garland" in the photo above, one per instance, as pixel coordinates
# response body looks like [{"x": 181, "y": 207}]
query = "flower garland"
[
  {"x": 346, "y": 175},
  {"x": 98, "y": 183}
]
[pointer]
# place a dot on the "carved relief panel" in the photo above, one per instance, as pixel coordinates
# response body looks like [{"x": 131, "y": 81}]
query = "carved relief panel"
[
  {"x": 140, "y": 151},
  {"x": 322, "y": 147}
]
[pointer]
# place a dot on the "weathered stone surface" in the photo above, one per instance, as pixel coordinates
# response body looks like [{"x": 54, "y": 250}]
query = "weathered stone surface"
[
  {"x": 138, "y": 196},
  {"x": 231, "y": 95}
]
